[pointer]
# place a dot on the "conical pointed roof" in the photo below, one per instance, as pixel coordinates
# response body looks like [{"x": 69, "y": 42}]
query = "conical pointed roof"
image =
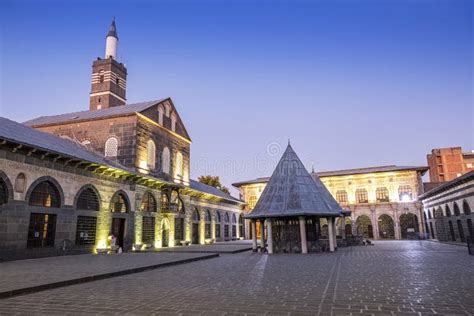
[
  {"x": 292, "y": 191},
  {"x": 113, "y": 30}
]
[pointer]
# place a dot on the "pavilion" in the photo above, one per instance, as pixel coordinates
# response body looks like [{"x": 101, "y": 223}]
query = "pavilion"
[{"x": 291, "y": 207}]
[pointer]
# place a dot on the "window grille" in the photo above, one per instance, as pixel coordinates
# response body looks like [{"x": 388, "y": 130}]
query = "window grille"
[
  {"x": 207, "y": 230},
  {"x": 45, "y": 194},
  {"x": 111, "y": 147},
  {"x": 41, "y": 230},
  {"x": 226, "y": 231},
  {"x": 252, "y": 201},
  {"x": 148, "y": 203},
  {"x": 88, "y": 200},
  {"x": 341, "y": 196},
  {"x": 218, "y": 230},
  {"x": 381, "y": 195},
  {"x": 119, "y": 204},
  {"x": 361, "y": 196},
  {"x": 148, "y": 229},
  {"x": 86, "y": 230},
  {"x": 405, "y": 192}
]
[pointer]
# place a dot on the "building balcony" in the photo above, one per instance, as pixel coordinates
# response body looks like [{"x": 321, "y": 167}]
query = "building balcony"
[{"x": 169, "y": 208}]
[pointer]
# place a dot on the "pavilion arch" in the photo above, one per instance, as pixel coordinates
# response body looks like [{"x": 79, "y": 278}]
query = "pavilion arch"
[
  {"x": 465, "y": 208},
  {"x": 386, "y": 227},
  {"x": 49, "y": 184},
  {"x": 120, "y": 203},
  {"x": 409, "y": 226},
  {"x": 364, "y": 226},
  {"x": 88, "y": 198},
  {"x": 6, "y": 188},
  {"x": 456, "y": 210}
]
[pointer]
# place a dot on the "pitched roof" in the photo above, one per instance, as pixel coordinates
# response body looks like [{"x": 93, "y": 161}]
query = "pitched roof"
[
  {"x": 196, "y": 185},
  {"x": 92, "y": 114},
  {"x": 345, "y": 172},
  {"x": 467, "y": 177},
  {"x": 292, "y": 191},
  {"x": 24, "y": 135}
]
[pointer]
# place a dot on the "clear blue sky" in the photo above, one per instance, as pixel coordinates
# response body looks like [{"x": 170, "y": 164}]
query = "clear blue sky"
[{"x": 351, "y": 83}]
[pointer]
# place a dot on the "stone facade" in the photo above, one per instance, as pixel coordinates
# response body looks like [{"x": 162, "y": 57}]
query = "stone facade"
[
  {"x": 385, "y": 214},
  {"x": 16, "y": 213},
  {"x": 448, "y": 209}
]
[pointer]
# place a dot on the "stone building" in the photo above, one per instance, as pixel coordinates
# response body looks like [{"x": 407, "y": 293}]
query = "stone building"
[
  {"x": 449, "y": 163},
  {"x": 291, "y": 208},
  {"x": 448, "y": 209},
  {"x": 382, "y": 200},
  {"x": 69, "y": 180}
]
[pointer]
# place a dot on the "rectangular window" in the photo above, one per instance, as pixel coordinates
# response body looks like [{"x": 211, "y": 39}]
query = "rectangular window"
[
  {"x": 252, "y": 201},
  {"x": 226, "y": 231},
  {"x": 218, "y": 230},
  {"x": 85, "y": 230},
  {"x": 148, "y": 230},
  {"x": 361, "y": 196},
  {"x": 207, "y": 230},
  {"x": 381, "y": 195},
  {"x": 41, "y": 230},
  {"x": 234, "y": 231}
]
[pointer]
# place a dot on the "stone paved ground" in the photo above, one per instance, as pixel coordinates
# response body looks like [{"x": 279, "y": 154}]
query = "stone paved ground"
[
  {"x": 34, "y": 272},
  {"x": 218, "y": 247},
  {"x": 399, "y": 277}
]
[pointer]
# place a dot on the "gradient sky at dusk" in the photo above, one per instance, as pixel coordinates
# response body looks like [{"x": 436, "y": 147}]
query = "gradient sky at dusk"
[{"x": 351, "y": 83}]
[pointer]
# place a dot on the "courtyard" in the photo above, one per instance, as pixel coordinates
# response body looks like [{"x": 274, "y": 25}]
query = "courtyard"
[{"x": 390, "y": 278}]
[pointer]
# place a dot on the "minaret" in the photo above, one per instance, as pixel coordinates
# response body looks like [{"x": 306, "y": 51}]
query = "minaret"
[{"x": 108, "y": 76}]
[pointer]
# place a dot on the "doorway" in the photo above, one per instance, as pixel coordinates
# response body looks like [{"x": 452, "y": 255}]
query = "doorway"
[
  {"x": 195, "y": 240},
  {"x": 118, "y": 230}
]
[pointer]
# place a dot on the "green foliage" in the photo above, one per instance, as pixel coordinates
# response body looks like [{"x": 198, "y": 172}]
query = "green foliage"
[{"x": 213, "y": 181}]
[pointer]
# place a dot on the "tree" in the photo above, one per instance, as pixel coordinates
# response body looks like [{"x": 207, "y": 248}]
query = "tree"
[{"x": 213, "y": 181}]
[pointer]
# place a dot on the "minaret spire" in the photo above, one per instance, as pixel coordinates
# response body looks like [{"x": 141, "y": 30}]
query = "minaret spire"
[{"x": 111, "y": 41}]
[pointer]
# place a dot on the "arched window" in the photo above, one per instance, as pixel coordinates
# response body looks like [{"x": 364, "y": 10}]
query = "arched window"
[
  {"x": 148, "y": 203},
  {"x": 341, "y": 196},
  {"x": 119, "y": 203},
  {"x": 241, "y": 226},
  {"x": 160, "y": 114},
  {"x": 405, "y": 193},
  {"x": 381, "y": 194},
  {"x": 179, "y": 165},
  {"x": 208, "y": 216},
  {"x": 465, "y": 207},
  {"x": 226, "y": 217},
  {"x": 234, "y": 219},
  {"x": 3, "y": 192},
  {"x": 457, "y": 212},
  {"x": 167, "y": 110},
  {"x": 448, "y": 211},
  {"x": 361, "y": 196},
  {"x": 180, "y": 206},
  {"x": 111, "y": 147},
  {"x": 234, "y": 226},
  {"x": 218, "y": 224},
  {"x": 252, "y": 201},
  {"x": 207, "y": 227},
  {"x": 173, "y": 122},
  {"x": 150, "y": 154},
  {"x": 45, "y": 194},
  {"x": 218, "y": 217},
  {"x": 20, "y": 183},
  {"x": 196, "y": 216},
  {"x": 88, "y": 200},
  {"x": 164, "y": 201},
  {"x": 165, "y": 160}
]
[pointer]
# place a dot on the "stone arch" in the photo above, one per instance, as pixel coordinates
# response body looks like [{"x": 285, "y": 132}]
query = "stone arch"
[
  {"x": 386, "y": 227},
  {"x": 90, "y": 192},
  {"x": 8, "y": 186},
  {"x": 409, "y": 227},
  {"x": 364, "y": 226},
  {"x": 456, "y": 210},
  {"x": 465, "y": 208},
  {"x": 447, "y": 210},
  {"x": 120, "y": 203},
  {"x": 40, "y": 180}
]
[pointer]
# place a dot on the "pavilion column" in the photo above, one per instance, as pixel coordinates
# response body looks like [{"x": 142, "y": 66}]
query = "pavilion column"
[
  {"x": 254, "y": 235},
  {"x": 262, "y": 235},
  {"x": 343, "y": 227},
  {"x": 334, "y": 232},
  {"x": 269, "y": 236},
  {"x": 331, "y": 234},
  {"x": 304, "y": 243}
]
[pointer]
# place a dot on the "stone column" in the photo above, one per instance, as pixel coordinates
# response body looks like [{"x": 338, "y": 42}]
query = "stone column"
[
  {"x": 375, "y": 221},
  {"x": 334, "y": 232},
  {"x": 397, "y": 230},
  {"x": 343, "y": 227},
  {"x": 331, "y": 234},
  {"x": 269, "y": 236},
  {"x": 262, "y": 235},
  {"x": 254, "y": 235},
  {"x": 304, "y": 243}
]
